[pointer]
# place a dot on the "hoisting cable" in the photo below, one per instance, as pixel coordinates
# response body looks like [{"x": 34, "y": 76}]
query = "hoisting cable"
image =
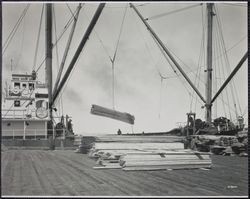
[
  {"x": 38, "y": 38},
  {"x": 114, "y": 57},
  {"x": 162, "y": 78},
  {"x": 172, "y": 12},
  {"x": 12, "y": 33},
  {"x": 101, "y": 42}
]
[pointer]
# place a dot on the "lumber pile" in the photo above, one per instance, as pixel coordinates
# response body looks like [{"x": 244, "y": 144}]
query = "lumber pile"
[
  {"x": 147, "y": 156},
  {"x": 221, "y": 145},
  {"x": 138, "y": 138},
  {"x": 185, "y": 160},
  {"x": 106, "y": 112}
]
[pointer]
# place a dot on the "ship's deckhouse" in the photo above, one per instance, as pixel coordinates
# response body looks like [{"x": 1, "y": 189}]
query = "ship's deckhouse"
[{"x": 25, "y": 108}]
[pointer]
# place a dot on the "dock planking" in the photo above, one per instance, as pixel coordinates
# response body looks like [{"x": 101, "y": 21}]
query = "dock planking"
[{"x": 41, "y": 172}]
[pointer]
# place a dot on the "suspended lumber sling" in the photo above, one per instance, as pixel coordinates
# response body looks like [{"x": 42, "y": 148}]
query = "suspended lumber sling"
[{"x": 122, "y": 116}]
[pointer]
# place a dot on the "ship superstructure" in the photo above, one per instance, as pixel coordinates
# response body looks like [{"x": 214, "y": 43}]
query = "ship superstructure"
[{"x": 25, "y": 108}]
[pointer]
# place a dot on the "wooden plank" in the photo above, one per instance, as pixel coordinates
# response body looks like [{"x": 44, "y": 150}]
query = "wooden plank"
[
  {"x": 107, "y": 167},
  {"x": 157, "y": 163},
  {"x": 161, "y": 157},
  {"x": 141, "y": 146},
  {"x": 165, "y": 167}
]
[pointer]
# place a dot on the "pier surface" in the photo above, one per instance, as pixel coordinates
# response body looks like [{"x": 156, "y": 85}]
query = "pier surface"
[{"x": 65, "y": 173}]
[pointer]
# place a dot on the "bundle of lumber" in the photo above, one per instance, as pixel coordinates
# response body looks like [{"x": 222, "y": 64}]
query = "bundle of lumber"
[
  {"x": 137, "y": 146},
  {"x": 138, "y": 138},
  {"x": 106, "y": 112},
  {"x": 168, "y": 160},
  {"x": 147, "y": 156}
]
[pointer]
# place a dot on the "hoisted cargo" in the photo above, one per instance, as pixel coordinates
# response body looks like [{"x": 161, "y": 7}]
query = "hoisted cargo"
[{"x": 122, "y": 116}]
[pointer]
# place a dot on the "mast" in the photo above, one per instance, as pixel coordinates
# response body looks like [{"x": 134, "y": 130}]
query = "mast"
[
  {"x": 48, "y": 53},
  {"x": 208, "y": 105}
]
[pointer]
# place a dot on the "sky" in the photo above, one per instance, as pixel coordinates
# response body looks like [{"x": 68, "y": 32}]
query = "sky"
[{"x": 157, "y": 105}]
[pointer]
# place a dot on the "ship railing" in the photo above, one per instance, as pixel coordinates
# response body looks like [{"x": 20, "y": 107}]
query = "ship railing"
[
  {"x": 32, "y": 134},
  {"x": 17, "y": 114}
]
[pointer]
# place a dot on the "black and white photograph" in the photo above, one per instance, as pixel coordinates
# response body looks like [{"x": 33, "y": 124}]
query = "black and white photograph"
[{"x": 124, "y": 99}]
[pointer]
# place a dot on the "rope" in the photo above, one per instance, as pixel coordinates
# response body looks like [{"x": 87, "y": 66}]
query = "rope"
[
  {"x": 232, "y": 84},
  {"x": 162, "y": 78},
  {"x": 98, "y": 37},
  {"x": 120, "y": 7},
  {"x": 234, "y": 4},
  {"x": 228, "y": 64},
  {"x": 172, "y": 12},
  {"x": 62, "y": 33},
  {"x": 114, "y": 57},
  {"x": 71, "y": 19},
  {"x": 197, "y": 75},
  {"x": 222, "y": 94},
  {"x": 38, "y": 38},
  {"x": 40, "y": 65},
  {"x": 70, "y": 10},
  {"x": 21, "y": 48},
  {"x": 244, "y": 112},
  {"x": 66, "y": 84},
  {"x": 12, "y": 33},
  {"x": 57, "y": 55}
]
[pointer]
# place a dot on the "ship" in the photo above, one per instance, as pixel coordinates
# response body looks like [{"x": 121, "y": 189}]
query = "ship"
[{"x": 31, "y": 116}]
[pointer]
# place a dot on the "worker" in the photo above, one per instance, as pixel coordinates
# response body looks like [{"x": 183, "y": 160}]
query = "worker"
[
  {"x": 70, "y": 126},
  {"x": 119, "y": 132}
]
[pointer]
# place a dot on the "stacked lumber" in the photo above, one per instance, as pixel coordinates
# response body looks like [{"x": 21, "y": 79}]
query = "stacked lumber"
[
  {"x": 137, "y": 146},
  {"x": 147, "y": 156},
  {"x": 138, "y": 138},
  {"x": 168, "y": 160}
]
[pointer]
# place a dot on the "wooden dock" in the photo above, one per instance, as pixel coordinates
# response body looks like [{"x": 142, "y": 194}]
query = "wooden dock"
[{"x": 65, "y": 173}]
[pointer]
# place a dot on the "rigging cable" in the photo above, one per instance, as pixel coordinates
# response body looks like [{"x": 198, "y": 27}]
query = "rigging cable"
[
  {"x": 178, "y": 76},
  {"x": 232, "y": 84},
  {"x": 196, "y": 82},
  {"x": 61, "y": 34},
  {"x": 71, "y": 19},
  {"x": 22, "y": 41},
  {"x": 12, "y": 33},
  {"x": 220, "y": 39},
  {"x": 57, "y": 55},
  {"x": 219, "y": 71},
  {"x": 162, "y": 78},
  {"x": 70, "y": 10},
  {"x": 98, "y": 37},
  {"x": 172, "y": 12},
  {"x": 234, "y": 4},
  {"x": 38, "y": 38}
]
